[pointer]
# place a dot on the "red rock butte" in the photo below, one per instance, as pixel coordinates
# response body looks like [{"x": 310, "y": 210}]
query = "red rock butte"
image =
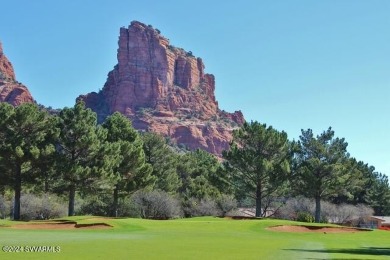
[
  {"x": 164, "y": 89},
  {"x": 11, "y": 91}
]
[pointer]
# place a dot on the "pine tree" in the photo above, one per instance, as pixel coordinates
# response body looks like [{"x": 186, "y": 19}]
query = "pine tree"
[
  {"x": 199, "y": 174},
  {"x": 79, "y": 149},
  {"x": 132, "y": 172},
  {"x": 164, "y": 162},
  {"x": 259, "y": 161},
  {"x": 23, "y": 132},
  {"x": 378, "y": 195},
  {"x": 322, "y": 167}
]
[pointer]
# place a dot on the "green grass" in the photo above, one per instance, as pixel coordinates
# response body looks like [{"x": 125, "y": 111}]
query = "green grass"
[{"x": 195, "y": 238}]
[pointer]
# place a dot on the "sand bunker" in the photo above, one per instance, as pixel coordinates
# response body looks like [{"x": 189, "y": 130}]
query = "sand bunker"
[
  {"x": 317, "y": 229},
  {"x": 62, "y": 225}
]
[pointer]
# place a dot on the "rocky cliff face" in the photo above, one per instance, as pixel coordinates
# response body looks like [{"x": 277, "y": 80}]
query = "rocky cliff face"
[
  {"x": 11, "y": 91},
  {"x": 164, "y": 89}
]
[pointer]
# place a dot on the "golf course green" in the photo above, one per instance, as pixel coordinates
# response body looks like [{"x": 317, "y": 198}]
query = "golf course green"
[{"x": 194, "y": 238}]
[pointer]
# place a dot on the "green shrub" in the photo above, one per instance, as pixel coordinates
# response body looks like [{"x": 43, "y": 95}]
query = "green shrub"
[
  {"x": 305, "y": 217},
  {"x": 95, "y": 205},
  {"x": 127, "y": 208},
  {"x": 101, "y": 205}
]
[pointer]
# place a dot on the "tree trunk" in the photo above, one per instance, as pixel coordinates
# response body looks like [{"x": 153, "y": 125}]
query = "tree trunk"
[
  {"x": 114, "y": 212},
  {"x": 72, "y": 194},
  {"x": 18, "y": 190},
  {"x": 317, "y": 216},
  {"x": 258, "y": 200},
  {"x": 46, "y": 185}
]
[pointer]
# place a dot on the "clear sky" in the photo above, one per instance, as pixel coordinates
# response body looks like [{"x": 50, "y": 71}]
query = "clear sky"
[{"x": 292, "y": 64}]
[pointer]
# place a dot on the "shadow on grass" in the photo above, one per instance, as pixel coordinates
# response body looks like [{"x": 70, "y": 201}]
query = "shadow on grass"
[
  {"x": 374, "y": 251},
  {"x": 92, "y": 225}
]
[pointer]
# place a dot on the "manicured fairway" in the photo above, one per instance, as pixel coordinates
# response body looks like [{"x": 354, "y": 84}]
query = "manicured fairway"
[{"x": 196, "y": 238}]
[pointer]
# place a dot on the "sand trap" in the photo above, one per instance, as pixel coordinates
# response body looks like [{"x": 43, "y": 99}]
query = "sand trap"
[
  {"x": 317, "y": 229},
  {"x": 62, "y": 225}
]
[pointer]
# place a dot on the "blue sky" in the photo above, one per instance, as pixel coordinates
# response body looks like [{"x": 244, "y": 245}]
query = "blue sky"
[{"x": 292, "y": 64}]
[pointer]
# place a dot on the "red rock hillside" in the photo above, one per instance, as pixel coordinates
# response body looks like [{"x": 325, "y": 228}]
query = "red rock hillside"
[
  {"x": 164, "y": 89},
  {"x": 11, "y": 91}
]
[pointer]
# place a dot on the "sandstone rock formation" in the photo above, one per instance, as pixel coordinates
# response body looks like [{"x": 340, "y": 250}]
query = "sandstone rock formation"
[
  {"x": 11, "y": 91},
  {"x": 164, "y": 89}
]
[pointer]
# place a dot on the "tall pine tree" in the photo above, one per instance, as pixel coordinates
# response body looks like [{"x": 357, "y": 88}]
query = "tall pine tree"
[
  {"x": 80, "y": 150},
  {"x": 23, "y": 141},
  {"x": 321, "y": 167},
  {"x": 132, "y": 172},
  {"x": 259, "y": 158}
]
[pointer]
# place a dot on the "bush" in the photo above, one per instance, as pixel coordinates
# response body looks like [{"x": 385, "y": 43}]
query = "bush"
[
  {"x": 208, "y": 207},
  {"x": 188, "y": 206},
  {"x": 4, "y": 207},
  {"x": 328, "y": 212},
  {"x": 226, "y": 204},
  {"x": 38, "y": 207},
  {"x": 301, "y": 208},
  {"x": 102, "y": 206},
  {"x": 204, "y": 207},
  {"x": 128, "y": 208},
  {"x": 294, "y": 206},
  {"x": 305, "y": 217},
  {"x": 94, "y": 205},
  {"x": 364, "y": 212},
  {"x": 156, "y": 205},
  {"x": 341, "y": 214},
  {"x": 348, "y": 214}
]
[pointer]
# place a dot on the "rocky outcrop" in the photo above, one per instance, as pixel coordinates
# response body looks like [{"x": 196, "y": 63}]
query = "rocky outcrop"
[
  {"x": 11, "y": 91},
  {"x": 164, "y": 89}
]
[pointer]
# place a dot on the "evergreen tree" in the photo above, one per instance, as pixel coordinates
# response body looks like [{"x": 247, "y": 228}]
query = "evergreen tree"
[
  {"x": 45, "y": 167},
  {"x": 361, "y": 177},
  {"x": 259, "y": 161},
  {"x": 322, "y": 167},
  {"x": 81, "y": 150},
  {"x": 132, "y": 172},
  {"x": 23, "y": 132},
  {"x": 164, "y": 162},
  {"x": 378, "y": 195},
  {"x": 199, "y": 173}
]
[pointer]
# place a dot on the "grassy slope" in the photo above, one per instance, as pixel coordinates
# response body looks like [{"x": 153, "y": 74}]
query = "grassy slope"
[{"x": 196, "y": 238}]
